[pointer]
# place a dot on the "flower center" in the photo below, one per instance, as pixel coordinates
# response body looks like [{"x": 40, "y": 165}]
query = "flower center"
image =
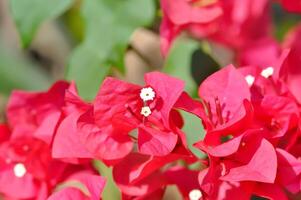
[
  {"x": 19, "y": 170},
  {"x": 195, "y": 194},
  {"x": 218, "y": 111}
]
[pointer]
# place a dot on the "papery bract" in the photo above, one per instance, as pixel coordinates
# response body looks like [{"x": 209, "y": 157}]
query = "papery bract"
[{"x": 82, "y": 186}]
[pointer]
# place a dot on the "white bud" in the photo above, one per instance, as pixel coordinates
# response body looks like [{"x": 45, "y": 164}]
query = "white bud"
[
  {"x": 195, "y": 194},
  {"x": 145, "y": 111},
  {"x": 267, "y": 72},
  {"x": 19, "y": 170},
  {"x": 250, "y": 79}
]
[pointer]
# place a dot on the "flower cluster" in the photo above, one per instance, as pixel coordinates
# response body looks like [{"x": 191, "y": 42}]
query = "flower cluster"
[
  {"x": 27, "y": 168},
  {"x": 251, "y": 116}
]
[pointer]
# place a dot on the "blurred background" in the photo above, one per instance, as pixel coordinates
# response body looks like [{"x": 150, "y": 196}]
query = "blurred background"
[{"x": 78, "y": 41}]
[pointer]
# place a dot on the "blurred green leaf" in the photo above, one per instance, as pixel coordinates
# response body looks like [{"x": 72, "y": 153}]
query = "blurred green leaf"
[
  {"x": 111, "y": 190},
  {"x": 178, "y": 62},
  {"x": 194, "y": 131},
  {"x": 74, "y": 22},
  {"x": 16, "y": 73},
  {"x": 109, "y": 25},
  {"x": 30, "y": 14},
  {"x": 284, "y": 21}
]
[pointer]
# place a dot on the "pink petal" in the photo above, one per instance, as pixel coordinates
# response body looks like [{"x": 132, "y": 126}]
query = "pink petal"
[
  {"x": 155, "y": 142},
  {"x": 262, "y": 166},
  {"x": 67, "y": 143},
  {"x": 105, "y": 143},
  {"x": 162, "y": 83}
]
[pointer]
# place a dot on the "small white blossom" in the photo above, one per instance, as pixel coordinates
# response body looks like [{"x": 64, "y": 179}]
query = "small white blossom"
[
  {"x": 267, "y": 72},
  {"x": 147, "y": 94},
  {"x": 19, "y": 170},
  {"x": 195, "y": 194},
  {"x": 145, "y": 111},
  {"x": 250, "y": 79}
]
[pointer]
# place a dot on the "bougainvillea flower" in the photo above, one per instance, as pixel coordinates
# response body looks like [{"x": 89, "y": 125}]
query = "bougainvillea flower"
[
  {"x": 214, "y": 188},
  {"x": 67, "y": 142},
  {"x": 81, "y": 186},
  {"x": 27, "y": 170},
  {"x": 179, "y": 15},
  {"x": 226, "y": 110},
  {"x": 239, "y": 20},
  {"x": 262, "y": 166},
  {"x": 276, "y": 114},
  {"x": 251, "y": 53},
  {"x": 239, "y": 164},
  {"x": 121, "y": 107},
  {"x": 36, "y": 113}
]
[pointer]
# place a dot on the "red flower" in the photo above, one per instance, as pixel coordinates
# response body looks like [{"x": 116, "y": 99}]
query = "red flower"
[
  {"x": 179, "y": 15},
  {"x": 27, "y": 170},
  {"x": 227, "y": 111},
  {"x": 251, "y": 53},
  {"x": 278, "y": 115},
  {"x": 122, "y": 107},
  {"x": 36, "y": 114},
  {"x": 67, "y": 143},
  {"x": 238, "y": 20},
  {"x": 238, "y": 164}
]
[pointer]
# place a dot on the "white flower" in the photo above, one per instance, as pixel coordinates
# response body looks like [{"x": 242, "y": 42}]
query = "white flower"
[
  {"x": 19, "y": 170},
  {"x": 145, "y": 111},
  {"x": 250, "y": 79},
  {"x": 195, "y": 194},
  {"x": 147, "y": 94},
  {"x": 267, "y": 72}
]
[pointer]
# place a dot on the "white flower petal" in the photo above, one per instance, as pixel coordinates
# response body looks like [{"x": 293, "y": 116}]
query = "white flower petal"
[
  {"x": 19, "y": 170},
  {"x": 195, "y": 194},
  {"x": 267, "y": 72},
  {"x": 145, "y": 111},
  {"x": 147, "y": 94}
]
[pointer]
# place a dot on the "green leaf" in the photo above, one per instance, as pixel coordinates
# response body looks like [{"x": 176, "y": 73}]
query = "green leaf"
[
  {"x": 194, "y": 132},
  {"x": 111, "y": 190},
  {"x": 109, "y": 25},
  {"x": 17, "y": 73},
  {"x": 30, "y": 14},
  {"x": 179, "y": 61}
]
